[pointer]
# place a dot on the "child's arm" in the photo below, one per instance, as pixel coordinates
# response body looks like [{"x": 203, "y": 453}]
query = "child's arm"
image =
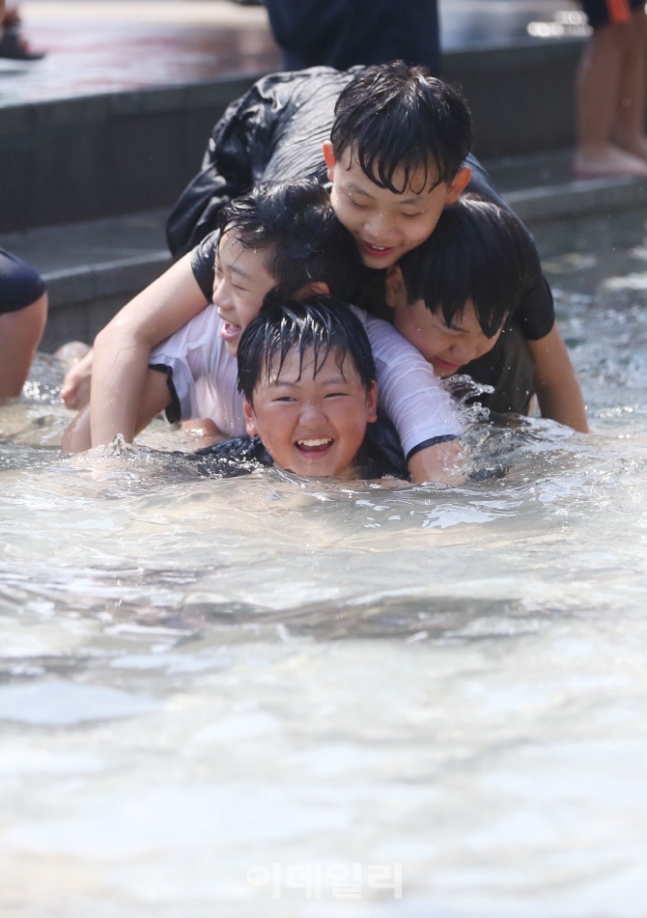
[
  {"x": 558, "y": 391},
  {"x": 421, "y": 411},
  {"x": 444, "y": 462},
  {"x": 155, "y": 398},
  {"x": 123, "y": 348}
]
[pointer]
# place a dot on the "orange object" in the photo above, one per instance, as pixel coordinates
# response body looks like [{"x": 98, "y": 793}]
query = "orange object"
[{"x": 619, "y": 10}]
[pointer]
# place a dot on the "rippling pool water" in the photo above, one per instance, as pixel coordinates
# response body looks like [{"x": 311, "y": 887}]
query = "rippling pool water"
[{"x": 219, "y": 696}]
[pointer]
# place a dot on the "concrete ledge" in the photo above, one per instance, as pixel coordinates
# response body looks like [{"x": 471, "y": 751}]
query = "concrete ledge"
[
  {"x": 110, "y": 279},
  {"x": 577, "y": 199},
  {"x": 100, "y": 156},
  {"x": 105, "y": 155},
  {"x": 92, "y": 268},
  {"x": 522, "y": 98}
]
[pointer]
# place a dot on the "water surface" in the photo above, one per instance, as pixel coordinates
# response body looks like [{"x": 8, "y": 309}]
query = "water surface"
[{"x": 201, "y": 677}]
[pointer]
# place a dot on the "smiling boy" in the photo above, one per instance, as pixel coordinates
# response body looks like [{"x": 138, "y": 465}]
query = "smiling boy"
[
  {"x": 396, "y": 152},
  {"x": 309, "y": 380},
  {"x": 457, "y": 296},
  {"x": 308, "y": 376},
  {"x": 284, "y": 238}
]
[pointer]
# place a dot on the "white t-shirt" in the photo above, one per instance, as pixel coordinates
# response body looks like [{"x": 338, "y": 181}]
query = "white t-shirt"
[{"x": 205, "y": 378}]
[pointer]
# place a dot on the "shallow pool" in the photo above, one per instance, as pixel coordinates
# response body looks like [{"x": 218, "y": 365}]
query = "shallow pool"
[{"x": 266, "y": 696}]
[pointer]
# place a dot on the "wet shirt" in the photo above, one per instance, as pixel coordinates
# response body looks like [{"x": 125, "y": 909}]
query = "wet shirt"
[
  {"x": 203, "y": 381},
  {"x": 379, "y": 455},
  {"x": 275, "y": 132}
]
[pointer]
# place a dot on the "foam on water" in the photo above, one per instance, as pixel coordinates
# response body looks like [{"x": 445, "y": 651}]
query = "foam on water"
[{"x": 202, "y": 676}]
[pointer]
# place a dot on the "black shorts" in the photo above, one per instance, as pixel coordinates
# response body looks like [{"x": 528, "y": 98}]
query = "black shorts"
[
  {"x": 603, "y": 12},
  {"x": 20, "y": 285}
]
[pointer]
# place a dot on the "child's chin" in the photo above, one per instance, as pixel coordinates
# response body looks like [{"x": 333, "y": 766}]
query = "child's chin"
[{"x": 315, "y": 468}]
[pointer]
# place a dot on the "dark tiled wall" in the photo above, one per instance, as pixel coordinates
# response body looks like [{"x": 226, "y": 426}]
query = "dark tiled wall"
[{"x": 105, "y": 155}]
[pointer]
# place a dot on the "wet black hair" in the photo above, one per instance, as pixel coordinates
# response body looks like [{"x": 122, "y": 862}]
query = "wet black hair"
[
  {"x": 394, "y": 116},
  {"x": 318, "y": 324},
  {"x": 478, "y": 252},
  {"x": 307, "y": 243}
]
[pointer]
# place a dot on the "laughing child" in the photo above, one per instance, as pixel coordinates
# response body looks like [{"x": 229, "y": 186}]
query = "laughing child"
[
  {"x": 286, "y": 238},
  {"x": 308, "y": 377}
]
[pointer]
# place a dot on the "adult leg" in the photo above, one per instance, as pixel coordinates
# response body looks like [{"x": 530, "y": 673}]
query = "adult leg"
[
  {"x": 20, "y": 334},
  {"x": 23, "y": 313},
  {"x": 599, "y": 80},
  {"x": 629, "y": 124}
]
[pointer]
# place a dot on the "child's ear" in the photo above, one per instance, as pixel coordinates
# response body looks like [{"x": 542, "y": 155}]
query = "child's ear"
[
  {"x": 329, "y": 157},
  {"x": 394, "y": 288},
  {"x": 371, "y": 404},
  {"x": 250, "y": 418},
  {"x": 459, "y": 184},
  {"x": 315, "y": 288}
]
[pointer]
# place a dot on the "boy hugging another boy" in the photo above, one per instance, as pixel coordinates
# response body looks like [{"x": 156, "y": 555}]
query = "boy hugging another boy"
[
  {"x": 457, "y": 298},
  {"x": 395, "y": 150},
  {"x": 308, "y": 377},
  {"x": 396, "y": 153},
  {"x": 285, "y": 238}
]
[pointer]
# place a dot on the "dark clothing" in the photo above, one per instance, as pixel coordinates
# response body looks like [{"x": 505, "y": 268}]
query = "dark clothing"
[
  {"x": 20, "y": 285},
  {"x": 276, "y": 131},
  {"x": 380, "y": 454},
  {"x": 510, "y": 369},
  {"x": 203, "y": 262},
  {"x": 342, "y": 33},
  {"x": 604, "y": 12}
]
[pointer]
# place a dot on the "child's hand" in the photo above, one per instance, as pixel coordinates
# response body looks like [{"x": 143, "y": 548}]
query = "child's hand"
[
  {"x": 77, "y": 358},
  {"x": 445, "y": 463}
]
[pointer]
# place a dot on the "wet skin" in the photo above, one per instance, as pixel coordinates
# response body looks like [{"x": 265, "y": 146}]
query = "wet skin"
[
  {"x": 385, "y": 225},
  {"x": 446, "y": 348},
  {"x": 312, "y": 424},
  {"x": 241, "y": 282}
]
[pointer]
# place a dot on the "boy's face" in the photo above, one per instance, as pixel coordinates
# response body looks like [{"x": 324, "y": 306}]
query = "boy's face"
[
  {"x": 241, "y": 281},
  {"x": 312, "y": 425},
  {"x": 386, "y": 225},
  {"x": 446, "y": 348}
]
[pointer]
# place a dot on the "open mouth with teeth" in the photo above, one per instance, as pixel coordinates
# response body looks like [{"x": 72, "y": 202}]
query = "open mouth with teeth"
[
  {"x": 229, "y": 331},
  {"x": 315, "y": 446},
  {"x": 379, "y": 251}
]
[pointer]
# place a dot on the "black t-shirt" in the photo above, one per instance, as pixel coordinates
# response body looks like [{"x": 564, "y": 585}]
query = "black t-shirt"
[
  {"x": 380, "y": 454},
  {"x": 275, "y": 132}
]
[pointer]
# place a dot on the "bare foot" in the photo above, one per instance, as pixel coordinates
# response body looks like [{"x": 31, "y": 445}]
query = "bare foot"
[
  {"x": 608, "y": 161},
  {"x": 635, "y": 146},
  {"x": 76, "y": 357}
]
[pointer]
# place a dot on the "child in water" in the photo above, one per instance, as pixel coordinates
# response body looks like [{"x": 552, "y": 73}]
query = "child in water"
[
  {"x": 308, "y": 377},
  {"x": 395, "y": 148},
  {"x": 285, "y": 237}
]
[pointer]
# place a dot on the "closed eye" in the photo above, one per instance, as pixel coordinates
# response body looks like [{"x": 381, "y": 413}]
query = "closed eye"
[{"x": 356, "y": 203}]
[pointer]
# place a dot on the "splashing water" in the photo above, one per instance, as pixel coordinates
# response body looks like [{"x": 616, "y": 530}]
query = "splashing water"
[{"x": 205, "y": 678}]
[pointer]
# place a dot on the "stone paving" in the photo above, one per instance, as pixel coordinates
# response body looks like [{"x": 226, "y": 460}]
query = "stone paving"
[{"x": 97, "y": 46}]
